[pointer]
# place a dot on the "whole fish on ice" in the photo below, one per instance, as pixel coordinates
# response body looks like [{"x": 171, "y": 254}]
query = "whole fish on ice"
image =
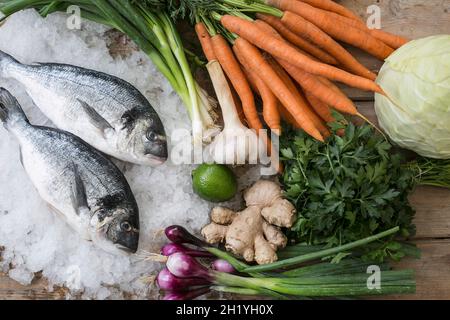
[
  {"x": 80, "y": 183},
  {"x": 106, "y": 112}
]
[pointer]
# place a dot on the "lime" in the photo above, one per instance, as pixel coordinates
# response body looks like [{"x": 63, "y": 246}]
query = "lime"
[{"x": 214, "y": 182}]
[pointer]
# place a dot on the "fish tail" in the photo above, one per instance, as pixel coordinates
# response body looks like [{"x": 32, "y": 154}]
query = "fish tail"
[
  {"x": 5, "y": 61},
  {"x": 10, "y": 109}
]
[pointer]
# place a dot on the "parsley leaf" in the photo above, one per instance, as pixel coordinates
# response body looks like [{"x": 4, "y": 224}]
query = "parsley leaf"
[{"x": 347, "y": 188}]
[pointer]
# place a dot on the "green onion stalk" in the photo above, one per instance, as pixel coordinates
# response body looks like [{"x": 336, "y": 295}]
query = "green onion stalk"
[
  {"x": 298, "y": 277},
  {"x": 299, "y": 259},
  {"x": 152, "y": 29},
  {"x": 348, "y": 278}
]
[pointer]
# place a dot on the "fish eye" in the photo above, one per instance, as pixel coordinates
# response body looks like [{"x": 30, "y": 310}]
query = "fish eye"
[
  {"x": 151, "y": 136},
  {"x": 125, "y": 226}
]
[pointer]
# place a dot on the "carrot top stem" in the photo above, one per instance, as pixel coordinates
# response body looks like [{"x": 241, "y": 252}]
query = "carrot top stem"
[
  {"x": 372, "y": 124},
  {"x": 255, "y": 6},
  {"x": 231, "y": 37},
  {"x": 208, "y": 24}
]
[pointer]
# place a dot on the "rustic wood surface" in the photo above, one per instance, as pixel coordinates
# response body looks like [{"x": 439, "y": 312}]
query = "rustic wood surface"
[{"x": 409, "y": 18}]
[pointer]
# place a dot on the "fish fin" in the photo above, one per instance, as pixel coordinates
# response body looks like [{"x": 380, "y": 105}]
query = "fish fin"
[
  {"x": 78, "y": 194},
  {"x": 10, "y": 109},
  {"x": 95, "y": 118}
]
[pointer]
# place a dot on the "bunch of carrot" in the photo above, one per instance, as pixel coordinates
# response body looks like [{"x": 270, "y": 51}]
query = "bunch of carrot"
[{"x": 286, "y": 52}]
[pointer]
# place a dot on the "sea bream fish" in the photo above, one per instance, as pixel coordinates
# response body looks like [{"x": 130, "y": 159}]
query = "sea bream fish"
[
  {"x": 78, "y": 182},
  {"x": 106, "y": 112}
]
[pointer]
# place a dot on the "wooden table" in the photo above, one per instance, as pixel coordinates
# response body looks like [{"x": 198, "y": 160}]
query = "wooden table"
[{"x": 413, "y": 19}]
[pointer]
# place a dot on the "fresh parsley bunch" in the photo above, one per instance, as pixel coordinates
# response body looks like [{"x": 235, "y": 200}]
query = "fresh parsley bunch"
[{"x": 348, "y": 188}]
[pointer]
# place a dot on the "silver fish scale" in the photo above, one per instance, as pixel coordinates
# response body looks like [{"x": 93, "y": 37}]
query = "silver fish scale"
[
  {"x": 58, "y": 152},
  {"x": 70, "y": 82}
]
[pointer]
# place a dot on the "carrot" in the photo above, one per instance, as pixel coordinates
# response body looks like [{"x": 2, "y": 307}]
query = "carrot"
[
  {"x": 237, "y": 78},
  {"x": 313, "y": 85},
  {"x": 315, "y": 35},
  {"x": 270, "y": 101},
  {"x": 299, "y": 96},
  {"x": 267, "y": 28},
  {"x": 323, "y": 111},
  {"x": 298, "y": 41},
  {"x": 280, "y": 49},
  {"x": 286, "y": 116},
  {"x": 330, "y": 85},
  {"x": 320, "y": 108},
  {"x": 237, "y": 103},
  {"x": 389, "y": 39},
  {"x": 319, "y": 123},
  {"x": 271, "y": 118},
  {"x": 336, "y": 28},
  {"x": 333, "y": 7},
  {"x": 256, "y": 62},
  {"x": 205, "y": 41},
  {"x": 326, "y": 91}
]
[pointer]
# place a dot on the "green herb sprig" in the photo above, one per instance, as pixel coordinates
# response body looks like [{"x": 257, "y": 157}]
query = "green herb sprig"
[{"x": 348, "y": 188}]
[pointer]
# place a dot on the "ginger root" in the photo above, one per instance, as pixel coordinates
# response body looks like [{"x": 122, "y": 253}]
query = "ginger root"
[{"x": 253, "y": 233}]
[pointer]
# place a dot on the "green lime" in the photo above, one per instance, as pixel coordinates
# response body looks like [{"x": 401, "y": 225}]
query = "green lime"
[{"x": 214, "y": 182}]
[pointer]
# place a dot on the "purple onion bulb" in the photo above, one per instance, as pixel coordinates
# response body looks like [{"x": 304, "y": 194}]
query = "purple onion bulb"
[
  {"x": 168, "y": 282},
  {"x": 183, "y": 266},
  {"x": 222, "y": 266},
  {"x": 178, "y": 234}
]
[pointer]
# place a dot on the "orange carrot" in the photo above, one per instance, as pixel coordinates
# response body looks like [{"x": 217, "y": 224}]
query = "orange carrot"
[
  {"x": 280, "y": 49},
  {"x": 318, "y": 122},
  {"x": 270, "y": 101},
  {"x": 389, "y": 39},
  {"x": 313, "y": 85},
  {"x": 298, "y": 41},
  {"x": 237, "y": 103},
  {"x": 326, "y": 91},
  {"x": 256, "y": 62},
  {"x": 330, "y": 85},
  {"x": 271, "y": 120},
  {"x": 320, "y": 108},
  {"x": 299, "y": 96},
  {"x": 313, "y": 34},
  {"x": 333, "y": 7},
  {"x": 323, "y": 111},
  {"x": 234, "y": 72},
  {"x": 267, "y": 28},
  {"x": 336, "y": 28},
  {"x": 205, "y": 41},
  {"x": 286, "y": 116}
]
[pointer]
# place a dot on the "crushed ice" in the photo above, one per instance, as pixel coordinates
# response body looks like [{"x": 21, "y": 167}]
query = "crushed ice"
[{"x": 35, "y": 240}]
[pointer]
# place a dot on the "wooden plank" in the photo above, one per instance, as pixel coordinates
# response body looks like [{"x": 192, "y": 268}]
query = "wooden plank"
[
  {"x": 38, "y": 290},
  {"x": 432, "y": 271},
  {"x": 433, "y": 212},
  {"x": 409, "y": 18}
]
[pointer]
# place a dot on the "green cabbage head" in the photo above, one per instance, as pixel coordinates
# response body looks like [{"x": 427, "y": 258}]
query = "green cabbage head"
[{"x": 416, "y": 79}]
